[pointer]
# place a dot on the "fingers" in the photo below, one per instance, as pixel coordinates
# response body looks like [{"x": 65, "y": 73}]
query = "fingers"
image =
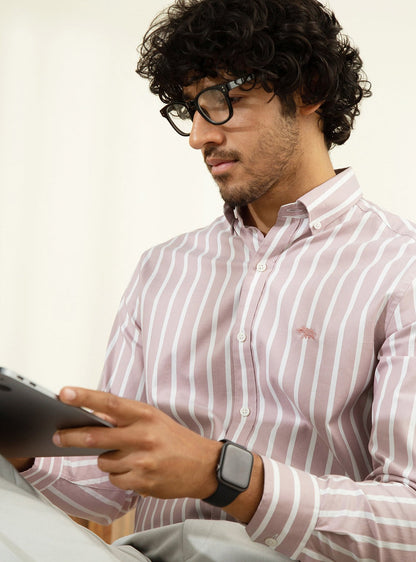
[
  {"x": 126, "y": 438},
  {"x": 121, "y": 463},
  {"x": 106, "y": 418},
  {"x": 87, "y": 437},
  {"x": 119, "y": 410}
]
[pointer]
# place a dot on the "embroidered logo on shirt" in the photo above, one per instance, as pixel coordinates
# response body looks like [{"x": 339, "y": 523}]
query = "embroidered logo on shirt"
[{"x": 307, "y": 333}]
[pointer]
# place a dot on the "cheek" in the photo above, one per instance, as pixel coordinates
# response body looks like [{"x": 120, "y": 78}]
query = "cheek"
[
  {"x": 280, "y": 140},
  {"x": 265, "y": 148}
]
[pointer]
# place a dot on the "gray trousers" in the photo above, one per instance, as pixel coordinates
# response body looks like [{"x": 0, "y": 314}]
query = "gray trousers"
[{"x": 33, "y": 530}]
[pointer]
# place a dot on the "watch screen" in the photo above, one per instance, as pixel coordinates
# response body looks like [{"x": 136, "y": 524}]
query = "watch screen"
[{"x": 236, "y": 467}]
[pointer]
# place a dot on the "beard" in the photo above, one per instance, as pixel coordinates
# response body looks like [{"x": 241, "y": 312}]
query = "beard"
[
  {"x": 241, "y": 195},
  {"x": 270, "y": 164}
]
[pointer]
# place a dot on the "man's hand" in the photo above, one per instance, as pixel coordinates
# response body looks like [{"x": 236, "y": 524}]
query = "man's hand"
[
  {"x": 150, "y": 452},
  {"x": 22, "y": 463}
]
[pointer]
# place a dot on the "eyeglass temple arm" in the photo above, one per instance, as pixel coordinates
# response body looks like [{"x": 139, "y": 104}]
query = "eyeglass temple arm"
[{"x": 239, "y": 81}]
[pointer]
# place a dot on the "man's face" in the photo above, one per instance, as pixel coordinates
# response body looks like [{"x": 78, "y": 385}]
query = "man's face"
[{"x": 252, "y": 154}]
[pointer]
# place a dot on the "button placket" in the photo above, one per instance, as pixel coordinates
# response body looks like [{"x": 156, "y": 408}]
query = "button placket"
[{"x": 260, "y": 264}]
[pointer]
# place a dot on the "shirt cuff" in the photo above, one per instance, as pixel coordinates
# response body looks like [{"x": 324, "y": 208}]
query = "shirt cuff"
[{"x": 288, "y": 511}]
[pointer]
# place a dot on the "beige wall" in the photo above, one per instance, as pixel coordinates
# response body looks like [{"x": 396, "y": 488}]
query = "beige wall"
[{"x": 90, "y": 175}]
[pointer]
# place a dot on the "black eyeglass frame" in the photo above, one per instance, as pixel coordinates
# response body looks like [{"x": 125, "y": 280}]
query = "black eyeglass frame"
[{"x": 192, "y": 105}]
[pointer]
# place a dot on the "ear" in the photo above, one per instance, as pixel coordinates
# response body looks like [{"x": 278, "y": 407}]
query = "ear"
[{"x": 306, "y": 110}]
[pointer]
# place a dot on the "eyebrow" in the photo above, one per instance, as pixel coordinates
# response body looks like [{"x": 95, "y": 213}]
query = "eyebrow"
[{"x": 188, "y": 98}]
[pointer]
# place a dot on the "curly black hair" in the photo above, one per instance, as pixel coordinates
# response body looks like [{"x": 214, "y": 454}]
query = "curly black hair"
[{"x": 291, "y": 47}]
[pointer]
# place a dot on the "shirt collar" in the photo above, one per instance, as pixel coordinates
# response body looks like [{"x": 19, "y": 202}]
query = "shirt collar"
[
  {"x": 332, "y": 199},
  {"x": 321, "y": 205}
]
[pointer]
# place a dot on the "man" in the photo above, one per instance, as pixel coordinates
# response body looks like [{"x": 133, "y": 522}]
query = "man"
[{"x": 286, "y": 327}]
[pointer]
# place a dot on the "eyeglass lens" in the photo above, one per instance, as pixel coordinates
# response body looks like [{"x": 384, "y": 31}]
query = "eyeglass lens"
[
  {"x": 211, "y": 103},
  {"x": 180, "y": 117}
]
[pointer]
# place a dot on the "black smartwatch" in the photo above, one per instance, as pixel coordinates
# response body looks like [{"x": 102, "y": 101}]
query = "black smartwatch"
[{"x": 233, "y": 474}]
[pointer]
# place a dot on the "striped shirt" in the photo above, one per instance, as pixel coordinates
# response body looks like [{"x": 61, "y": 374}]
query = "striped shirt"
[{"x": 299, "y": 345}]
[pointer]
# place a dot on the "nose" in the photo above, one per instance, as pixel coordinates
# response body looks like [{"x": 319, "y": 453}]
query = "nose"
[{"x": 204, "y": 132}]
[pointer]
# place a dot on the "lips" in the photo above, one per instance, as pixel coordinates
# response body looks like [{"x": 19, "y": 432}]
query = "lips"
[{"x": 219, "y": 165}]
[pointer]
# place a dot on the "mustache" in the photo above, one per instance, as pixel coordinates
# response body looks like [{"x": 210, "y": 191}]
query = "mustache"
[{"x": 213, "y": 152}]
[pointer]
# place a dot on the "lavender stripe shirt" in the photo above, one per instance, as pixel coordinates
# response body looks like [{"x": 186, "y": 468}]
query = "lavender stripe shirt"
[{"x": 299, "y": 345}]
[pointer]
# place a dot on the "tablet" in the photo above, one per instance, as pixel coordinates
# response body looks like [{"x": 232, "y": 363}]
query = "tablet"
[{"x": 30, "y": 415}]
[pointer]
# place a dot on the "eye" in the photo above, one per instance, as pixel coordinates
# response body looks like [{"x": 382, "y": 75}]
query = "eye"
[
  {"x": 182, "y": 112},
  {"x": 235, "y": 99}
]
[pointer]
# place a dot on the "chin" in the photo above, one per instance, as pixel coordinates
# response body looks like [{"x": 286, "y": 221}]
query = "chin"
[
  {"x": 239, "y": 195},
  {"x": 239, "y": 199}
]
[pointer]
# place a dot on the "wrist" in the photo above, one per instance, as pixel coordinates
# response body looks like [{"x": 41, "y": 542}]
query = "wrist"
[
  {"x": 210, "y": 483},
  {"x": 233, "y": 474},
  {"x": 22, "y": 464},
  {"x": 245, "y": 506}
]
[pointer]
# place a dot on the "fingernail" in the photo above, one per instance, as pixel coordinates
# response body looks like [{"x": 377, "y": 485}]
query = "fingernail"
[
  {"x": 57, "y": 439},
  {"x": 69, "y": 394}
]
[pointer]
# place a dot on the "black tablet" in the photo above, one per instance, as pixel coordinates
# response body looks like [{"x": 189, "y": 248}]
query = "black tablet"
[{"x": 30, "y": 415}]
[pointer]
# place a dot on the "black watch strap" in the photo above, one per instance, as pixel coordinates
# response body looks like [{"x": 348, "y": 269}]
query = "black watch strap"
[
  {"x": 238, "y": 460},
  {"x": 222, "y": 496}
]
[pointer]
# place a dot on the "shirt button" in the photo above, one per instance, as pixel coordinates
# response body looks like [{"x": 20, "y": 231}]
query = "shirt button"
[
  {"x": 261, "y": 267},
  {"x": 317, "y": 225},
  {"x": 271, "y": 543},
  {"x": 242, "y": 337},
  {"x": 245, "y": 412}
]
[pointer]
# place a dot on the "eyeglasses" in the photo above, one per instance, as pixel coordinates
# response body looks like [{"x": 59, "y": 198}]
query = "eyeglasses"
[{"x": 213, "y": 103}]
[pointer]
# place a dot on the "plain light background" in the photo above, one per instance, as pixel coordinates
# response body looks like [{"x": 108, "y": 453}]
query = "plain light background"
[{"x": 91, "y": 176}]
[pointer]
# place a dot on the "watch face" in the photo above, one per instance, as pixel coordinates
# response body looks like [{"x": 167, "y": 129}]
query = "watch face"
[{"x": 236, "y": 466}]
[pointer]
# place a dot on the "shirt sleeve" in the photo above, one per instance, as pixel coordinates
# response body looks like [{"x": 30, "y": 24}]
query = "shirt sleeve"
[
  {"x": 332, "y": 517},
  {"x": 75, "y": 484},
  {"x": 79, "y": 488}
]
